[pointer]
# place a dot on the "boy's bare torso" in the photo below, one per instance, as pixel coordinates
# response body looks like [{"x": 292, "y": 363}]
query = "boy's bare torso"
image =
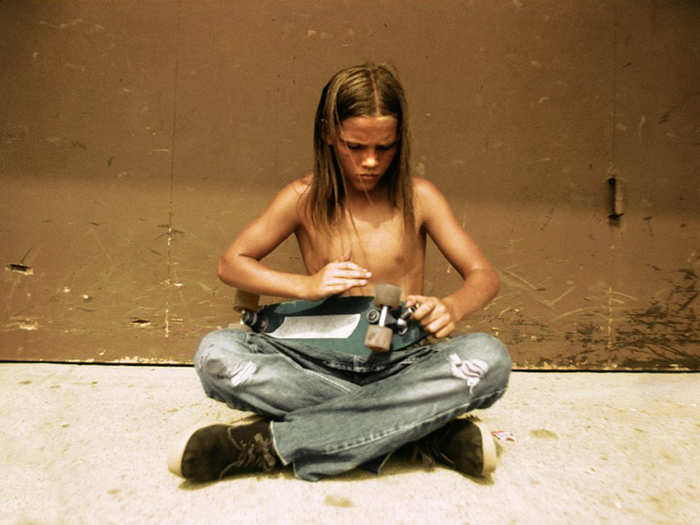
[
  {"x": 374, "y": 236},
  {"x": 370, "y": 244}
]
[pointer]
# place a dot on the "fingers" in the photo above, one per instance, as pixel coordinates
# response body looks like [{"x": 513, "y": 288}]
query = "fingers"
[
  {"x": 441, "y": 331},
  {"x": 424, "y": 305},
  {"x": 347, "y": 270},
  {"x": 339, "y": 287},
  {"x": 345, "y": 282},
  {"x": 339, "y": 277},
  {"x": 432, "y": 314}
]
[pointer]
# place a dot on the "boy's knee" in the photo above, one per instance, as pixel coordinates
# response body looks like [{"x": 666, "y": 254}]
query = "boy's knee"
[
  {"x": 492, "y": 348},
  {"x": 215, "y": 347},
  {"x": 225, "y": 363},
  {"x": 486, "y": 351}
]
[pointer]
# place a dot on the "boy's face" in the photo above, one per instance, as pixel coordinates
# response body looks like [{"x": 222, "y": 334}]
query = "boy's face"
[{"x": 365, "y": 149}]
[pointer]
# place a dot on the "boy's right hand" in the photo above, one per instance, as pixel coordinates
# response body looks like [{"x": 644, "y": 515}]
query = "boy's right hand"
[{"x": 336, "y": 278}]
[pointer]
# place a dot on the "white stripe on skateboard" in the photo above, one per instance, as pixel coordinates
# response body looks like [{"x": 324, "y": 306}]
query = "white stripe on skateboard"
[{"x": 317, "y": 327}]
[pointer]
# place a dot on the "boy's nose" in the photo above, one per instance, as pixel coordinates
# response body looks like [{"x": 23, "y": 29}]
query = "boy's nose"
[{"x": 370, "y": 160}]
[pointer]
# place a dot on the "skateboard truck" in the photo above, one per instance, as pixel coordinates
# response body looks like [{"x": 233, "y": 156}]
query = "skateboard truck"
[
  {"x": 247, "y": 304},
  {"x": 401, "y": 322},
  {"x": 379, "y": 333}
]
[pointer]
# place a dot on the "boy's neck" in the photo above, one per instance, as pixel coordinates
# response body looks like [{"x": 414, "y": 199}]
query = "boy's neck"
[{"x": 360, "y": 201}]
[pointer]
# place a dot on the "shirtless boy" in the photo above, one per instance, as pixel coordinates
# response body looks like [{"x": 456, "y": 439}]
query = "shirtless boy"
[{"x": 359, "y": 219}]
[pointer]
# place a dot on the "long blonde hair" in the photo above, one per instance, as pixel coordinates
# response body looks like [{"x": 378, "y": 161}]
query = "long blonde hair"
[{"x": 364, "y": 90}]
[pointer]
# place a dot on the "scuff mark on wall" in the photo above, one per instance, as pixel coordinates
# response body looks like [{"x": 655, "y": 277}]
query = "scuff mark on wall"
[
  {"x": 22, "y": 324},
  {"x": 20, "y": 268},
  {"x": 666, "y": 330},
  {"x": 521, "y": 328},
  {"x": 520, "y": 280}
]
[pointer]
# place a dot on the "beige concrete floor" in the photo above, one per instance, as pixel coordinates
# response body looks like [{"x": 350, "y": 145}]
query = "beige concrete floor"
[{"x": 87, "y": 444}]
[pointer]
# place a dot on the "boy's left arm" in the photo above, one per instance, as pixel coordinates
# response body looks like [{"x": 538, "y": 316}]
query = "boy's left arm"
[{"x": 439, "y": 316}]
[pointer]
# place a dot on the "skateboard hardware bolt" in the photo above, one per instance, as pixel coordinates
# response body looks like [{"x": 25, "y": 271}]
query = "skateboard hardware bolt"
[
  {"x": 372, "y": 316},
  {"x": 253, "y": 320},
  {"x": 402, "y": 321},
  {"x": 247, "y": 304},
  {"x": 408, "y": 313},
  {"x": 247, "y": 317}
]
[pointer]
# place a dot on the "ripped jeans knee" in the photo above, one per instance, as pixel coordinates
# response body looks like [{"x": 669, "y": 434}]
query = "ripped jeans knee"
[
  {"x": 223, "y": 358},
  {"x": 477, "y": 359}
]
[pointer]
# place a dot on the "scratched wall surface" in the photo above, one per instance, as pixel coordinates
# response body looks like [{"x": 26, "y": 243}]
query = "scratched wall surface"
[{"x": 136, "y": 140}]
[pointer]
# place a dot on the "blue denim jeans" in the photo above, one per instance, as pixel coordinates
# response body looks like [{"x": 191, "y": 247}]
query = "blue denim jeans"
[{"x": 333, "y": 412}]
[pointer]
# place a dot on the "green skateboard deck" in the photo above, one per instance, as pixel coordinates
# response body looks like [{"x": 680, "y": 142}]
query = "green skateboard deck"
[{"x": 336, "y": 323}]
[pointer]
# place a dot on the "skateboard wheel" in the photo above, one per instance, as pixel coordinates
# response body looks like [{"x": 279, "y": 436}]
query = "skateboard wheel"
[
  {"x": 378, "y": 338},
  {"x": 387, "y": 294},
  {"x": 246, "y": 301}
]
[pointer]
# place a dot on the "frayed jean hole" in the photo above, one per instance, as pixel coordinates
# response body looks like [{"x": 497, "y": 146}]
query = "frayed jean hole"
[
  {"x": 471, "y": 370},
  {"x": 242, "y": 372}
]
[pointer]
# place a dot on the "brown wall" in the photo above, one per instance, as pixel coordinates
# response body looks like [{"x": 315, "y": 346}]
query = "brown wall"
[{"x": 137, "y": 138}]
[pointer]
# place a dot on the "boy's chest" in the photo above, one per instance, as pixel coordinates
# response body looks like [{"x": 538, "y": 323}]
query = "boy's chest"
[
  {"x": 384, "y": 247},
  {"x": 379, "y": 247}
]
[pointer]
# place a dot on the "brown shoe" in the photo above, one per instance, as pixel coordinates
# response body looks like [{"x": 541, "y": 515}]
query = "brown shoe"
[
  {"x": 215, "y": 451},
  {"x": 465, "y": 445}
]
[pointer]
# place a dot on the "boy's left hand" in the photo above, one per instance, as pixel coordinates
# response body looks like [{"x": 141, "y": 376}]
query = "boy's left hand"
[{"x": 433, "y": 314}]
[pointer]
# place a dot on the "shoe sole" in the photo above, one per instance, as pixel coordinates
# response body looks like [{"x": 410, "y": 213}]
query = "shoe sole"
[
  {"x": 489, "y": 453},
  {"x": 488, "y": 447}
]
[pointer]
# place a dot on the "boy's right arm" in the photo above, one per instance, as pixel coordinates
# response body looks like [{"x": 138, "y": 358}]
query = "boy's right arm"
[{"x": 240, "y": 264}]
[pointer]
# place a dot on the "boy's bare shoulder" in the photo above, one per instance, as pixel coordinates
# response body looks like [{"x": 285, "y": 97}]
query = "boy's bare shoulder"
[
  {"x": 290, "y": 202},
  {"x": 427, "y": 197},
  {"x": 300, "y": 186},
  {"x": 295, "y": 190},
  {"x": 423, "y": 188}
]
